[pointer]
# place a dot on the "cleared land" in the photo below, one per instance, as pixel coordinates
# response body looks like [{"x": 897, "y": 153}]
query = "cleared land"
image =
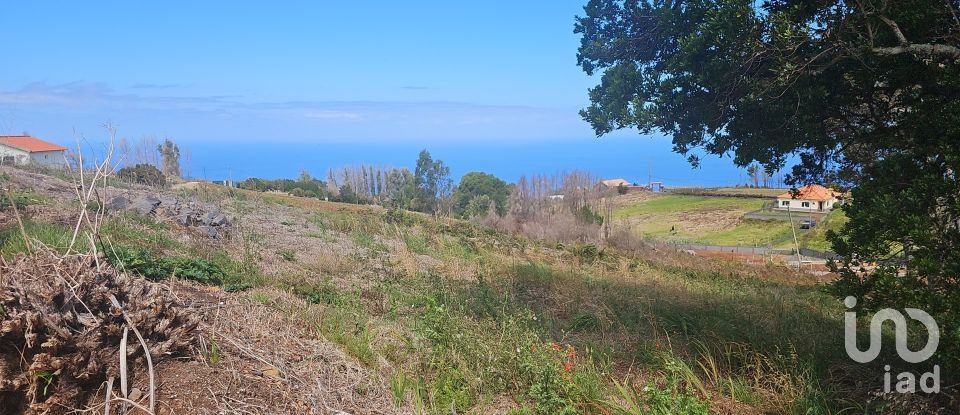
[{"x": 716, "y": 220}]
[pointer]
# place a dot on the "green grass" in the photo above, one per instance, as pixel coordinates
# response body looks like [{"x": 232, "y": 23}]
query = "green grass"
[
  {"x": 551, "y": 337},
  {"x": 727, "y": 191},
  {"x": 54, "y": 236},
  {"x": 751, "y": 233},
  {"x": 21, "y": 199},
  {"x": 674, "y": 217},
  {"x": 816, "y": 238},
  {"x": 671, "y": 204}
]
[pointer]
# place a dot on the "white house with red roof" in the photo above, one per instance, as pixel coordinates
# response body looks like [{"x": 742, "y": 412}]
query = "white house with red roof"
[
  {"x": 24, "y": 149},
  {"x": 809, "y": 198}
]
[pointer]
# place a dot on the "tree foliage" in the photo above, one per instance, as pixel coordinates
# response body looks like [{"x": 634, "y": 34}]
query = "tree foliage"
[
  {"x": 170, "y": 158},
  {"x": 432, "y": 181},
  {"x": 304, "y": 186},
  {"x": 865, "y": 94},
  {"x": 476, "y": 184},
  {"x": 147, "y": 174}
]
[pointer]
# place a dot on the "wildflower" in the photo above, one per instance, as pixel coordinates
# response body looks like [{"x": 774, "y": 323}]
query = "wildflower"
[
  {"x": 568, "y": 366},
  {"x": 555, "y": 346},
  {"x": 571, "y": 353}
]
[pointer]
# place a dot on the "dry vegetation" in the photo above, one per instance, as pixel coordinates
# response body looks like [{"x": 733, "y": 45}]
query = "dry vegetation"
[{"x": 320, "y": 307}]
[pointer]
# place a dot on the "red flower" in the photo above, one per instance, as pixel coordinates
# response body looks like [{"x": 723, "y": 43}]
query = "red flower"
[
  {"x": 555, "y": 346},
  {"x": 568, "y": 366}
]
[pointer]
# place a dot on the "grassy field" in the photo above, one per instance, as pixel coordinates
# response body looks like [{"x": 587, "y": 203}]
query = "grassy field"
[
  {"x": 751, "y": 233},
  {"x": 457, "y": 317},
  {"x": 730, "y": 191},
  {"x": 717, "y": 221},
  {"x": 670, "y": 204}
]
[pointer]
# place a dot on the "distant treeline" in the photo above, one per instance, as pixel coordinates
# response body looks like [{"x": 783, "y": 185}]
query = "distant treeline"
[{"x": 533, "y": 205}]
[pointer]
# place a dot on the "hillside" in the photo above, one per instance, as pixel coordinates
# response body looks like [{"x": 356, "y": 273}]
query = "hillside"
[{"x": 316, "y": 307}]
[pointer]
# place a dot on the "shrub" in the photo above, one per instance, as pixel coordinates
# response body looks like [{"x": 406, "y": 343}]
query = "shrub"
[
  {"x": 19, "y": 199},
  {"x": 586, "y": 215},
  {"x": 147, "y": 174}
]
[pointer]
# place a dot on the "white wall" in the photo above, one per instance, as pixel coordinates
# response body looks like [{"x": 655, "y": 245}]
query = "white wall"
[
  {"x": 797, "y": 205},
  {"x": 43, "y": 158},
  {"x": 49, "y": 159},
  {"x": 20, "y": 156}
]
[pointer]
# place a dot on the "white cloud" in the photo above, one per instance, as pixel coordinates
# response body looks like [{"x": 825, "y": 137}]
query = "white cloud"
[
  {"x": 64, "y": 106},
  {"x": 332, "y": 115}
]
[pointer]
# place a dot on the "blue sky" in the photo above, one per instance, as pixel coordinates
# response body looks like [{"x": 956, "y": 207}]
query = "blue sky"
[
  {"x": 416, "y": 73},
  {"x": 296, "y": 70}
]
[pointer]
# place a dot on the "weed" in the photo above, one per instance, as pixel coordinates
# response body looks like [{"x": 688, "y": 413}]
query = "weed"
[
  {"x": 287, "y": 255},
  {"x": 21, "y": 200},
  {"x": 156, "y": 268},
  {"x": 363, "y": 239},
  {"x": 46, "y": 378},
  {"x": 416, "y": 244},
  {"x": 325, "y": 293},
  {"x": 398, "y": 387},
  {"x": 214, "y": 355},
  {"x": 260, "y": 298}
]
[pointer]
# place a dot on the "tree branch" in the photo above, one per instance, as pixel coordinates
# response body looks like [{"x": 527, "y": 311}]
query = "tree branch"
[
  {"x": 896, "y": 30},
  {"x": 929, "y": 49}
]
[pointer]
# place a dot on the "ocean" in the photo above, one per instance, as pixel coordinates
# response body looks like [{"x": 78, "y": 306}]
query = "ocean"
[{"x": 636, "y": 159}]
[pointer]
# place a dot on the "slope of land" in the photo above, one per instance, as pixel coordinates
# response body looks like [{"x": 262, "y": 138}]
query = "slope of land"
[
  {"x": 322, "y": 307},
  {"x": 716, "y": 220}
]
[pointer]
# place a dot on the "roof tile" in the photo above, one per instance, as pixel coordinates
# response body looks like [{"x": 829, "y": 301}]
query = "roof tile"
[{"x": 29, "y": 144}]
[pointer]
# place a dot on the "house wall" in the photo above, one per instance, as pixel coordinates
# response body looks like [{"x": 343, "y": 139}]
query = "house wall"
[
  {"x": 796, "y": 205},
  {"x": 49, "y": 159},
  {"x": 19, "y": 156}
]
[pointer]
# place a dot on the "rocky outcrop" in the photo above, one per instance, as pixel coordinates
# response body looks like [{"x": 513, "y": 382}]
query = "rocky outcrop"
[{"x": 208, "y": 219}]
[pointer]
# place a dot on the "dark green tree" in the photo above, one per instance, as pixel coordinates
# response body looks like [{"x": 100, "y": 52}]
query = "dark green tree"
[
  {"x": 864, "y": 94},
  {"x": 476, "y": 184}
]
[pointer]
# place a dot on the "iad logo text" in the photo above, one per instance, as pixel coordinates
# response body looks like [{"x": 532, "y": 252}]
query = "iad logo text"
[{"x": 906, "y": 381}]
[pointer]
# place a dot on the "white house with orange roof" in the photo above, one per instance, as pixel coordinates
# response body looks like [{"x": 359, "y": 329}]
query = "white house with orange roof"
[
  {"x": 809, "y": 198},
  {"x": 24, "y": 149}
]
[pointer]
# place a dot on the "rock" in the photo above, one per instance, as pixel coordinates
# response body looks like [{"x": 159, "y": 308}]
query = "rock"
[
  {"x": 144, "y": 206},
  {"x": 211, "y": 231},
  {"x": 184, "y": 219},
  {"x": 187, "y": 214},
  {"x": 118, "y": 204},
  {"x": 168, "y": 201},
  {"x": 219, "y": 220},
  {"x": 208, "y": 218}
]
